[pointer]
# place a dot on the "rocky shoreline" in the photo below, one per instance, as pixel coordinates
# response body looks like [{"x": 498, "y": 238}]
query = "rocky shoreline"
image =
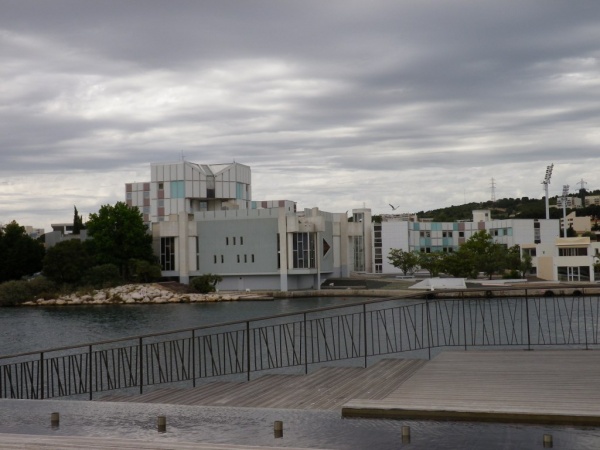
[{"x": 141, "y": 294}]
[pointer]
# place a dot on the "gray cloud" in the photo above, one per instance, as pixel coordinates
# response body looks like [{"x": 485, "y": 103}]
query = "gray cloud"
[{"x": 333, "y": 104}]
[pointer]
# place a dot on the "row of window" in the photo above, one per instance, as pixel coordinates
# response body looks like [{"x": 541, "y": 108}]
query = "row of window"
[
  {"x": 446, "y": 234},
  {"x": 234, "y": 240},
  {"x": 239, "y": 258},
  {"x": 582, "y": 251}
]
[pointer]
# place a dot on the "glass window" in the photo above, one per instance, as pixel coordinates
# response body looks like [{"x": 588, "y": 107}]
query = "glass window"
[
  {"x": 303, "y": 250},
  {"x": 167, "y": 253}
]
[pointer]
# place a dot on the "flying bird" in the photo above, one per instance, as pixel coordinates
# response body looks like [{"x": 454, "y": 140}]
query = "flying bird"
[{"x": 394, "y": 208}]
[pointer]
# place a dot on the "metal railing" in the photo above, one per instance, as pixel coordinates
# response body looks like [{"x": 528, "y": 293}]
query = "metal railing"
[{"x": 413, "y": 327}]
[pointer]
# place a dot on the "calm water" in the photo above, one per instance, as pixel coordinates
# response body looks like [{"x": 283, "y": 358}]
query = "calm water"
[
  {"x": 36, "y": 328},
  {"x": 28, "y": 329},
  {"x": 306, "y": 429}
]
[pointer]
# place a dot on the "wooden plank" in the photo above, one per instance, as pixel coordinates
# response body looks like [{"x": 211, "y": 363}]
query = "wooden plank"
[
  {"x": 35, "y": 442},
  {"x": 530, "y": 386}
]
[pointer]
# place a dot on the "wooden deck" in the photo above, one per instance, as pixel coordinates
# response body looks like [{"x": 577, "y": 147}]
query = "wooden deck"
[
  {"x": 542, "y": 386},
  {"x": 325, "y": 389},
  {"x": 32, "y": 442}
]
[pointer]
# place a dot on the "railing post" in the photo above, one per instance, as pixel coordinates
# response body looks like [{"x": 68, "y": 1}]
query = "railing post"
[
  {"x": 90, "y": 370},
  {"x": 193, "y": 358},
  {"x": 41, "y": 375},
  {"x": 248, "y": 347},
  {"x": 305, "y": 347},
  {"x": 528, "y": 326},
  {"x": 584, "y": 321},
  {"x": 141, "y": 370},
  {"x": 428, "y": 329},
  {"x": 365, "y": 331},
  {"x": 462, "y": 294}
]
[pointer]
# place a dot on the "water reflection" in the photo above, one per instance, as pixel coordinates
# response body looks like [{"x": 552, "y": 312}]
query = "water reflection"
[{"x": 310, "y": 429}]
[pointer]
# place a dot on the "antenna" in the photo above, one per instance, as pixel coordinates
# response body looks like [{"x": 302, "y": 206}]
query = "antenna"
[
  {"x": 493, "y": 187},
  {"x": 565, "y": 194},
  {"x": 546, "y": 182},
  {"x": 182, "y": 156}
]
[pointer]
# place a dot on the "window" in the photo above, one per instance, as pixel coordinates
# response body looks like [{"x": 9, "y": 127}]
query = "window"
[
  {"x": 234, "y": 240},
  {"x": 222, "y": 259},
  {"x": 461, "y": 234},
  {"x": 359, "y": 253},
  {"x": 161, "y": 186},
  {"x": 447, "y": 234},
  {"x": 582, "y": 251},
  {"x": 303, "y": 250},
  {"x": 252, "y": 257},
  {"x": 245, "y": 258},
  {"x": 167, "y": 253},
  {"x": 177, "y": 189},
  {"x": 530, "y": 251},
  {"x": 425, "y": 234},
  {"x": 238, "y": 258},
  {"x": 226, "y": 241},
  {"x": 215, "y": 258},
  {"x": 241, "y": 240}
]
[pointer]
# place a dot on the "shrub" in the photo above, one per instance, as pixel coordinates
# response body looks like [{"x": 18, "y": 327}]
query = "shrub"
[
  {"x": 15, "y": 292},
  {"x": 42, "y": 287},
  {"x": 143, "y": 271},
  {"x": 205, "y": 283},
  {"x": 102, "y": 276}
]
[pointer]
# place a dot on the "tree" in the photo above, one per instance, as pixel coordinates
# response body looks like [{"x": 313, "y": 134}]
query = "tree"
[
  {"x": 118, "y": 234},
  {"x": 67, "y": 261},
  {"x": 484, "y": 254},
  {"x": 432, "y": 262},
  {"x": 77, "y": 222},
  {"x": 407, "y": 262},
  {"x": 206, "y": 283},
  {"x": 20, "y": 255}
]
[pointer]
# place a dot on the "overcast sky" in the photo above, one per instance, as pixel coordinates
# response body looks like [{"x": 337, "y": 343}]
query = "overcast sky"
[{"x": 335, "y": 104}]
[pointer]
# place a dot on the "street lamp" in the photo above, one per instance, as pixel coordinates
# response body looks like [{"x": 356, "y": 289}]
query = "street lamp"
[{"x": 546, "y": 182}]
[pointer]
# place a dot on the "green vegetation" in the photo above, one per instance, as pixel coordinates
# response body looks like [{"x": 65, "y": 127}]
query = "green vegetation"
[
  {"x": 119, "y": 250},
  {"x": 205, "y": 283},
  {"x": 20, "y": 254},
  {"x": 479, "y": 254}
]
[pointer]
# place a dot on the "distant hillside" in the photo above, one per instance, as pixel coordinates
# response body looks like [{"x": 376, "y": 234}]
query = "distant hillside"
[{"x": 507, "y": 208}]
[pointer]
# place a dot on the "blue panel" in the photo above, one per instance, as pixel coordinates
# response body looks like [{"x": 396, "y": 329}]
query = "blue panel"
[
  {"x": 416, "y": 226},
  {"x": 177, "y": 189}
]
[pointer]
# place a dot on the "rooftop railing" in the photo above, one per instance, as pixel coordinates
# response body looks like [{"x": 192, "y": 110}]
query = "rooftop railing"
[{"x": 364, "y": 332}]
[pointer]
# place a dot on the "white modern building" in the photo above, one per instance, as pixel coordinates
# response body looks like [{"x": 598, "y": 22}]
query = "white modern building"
[
  {"x": 446, "y": 237},
  {"x": 203, "y": 220}
]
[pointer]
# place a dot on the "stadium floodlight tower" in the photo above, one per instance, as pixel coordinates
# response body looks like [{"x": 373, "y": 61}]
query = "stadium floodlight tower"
[
  {"x": 546, "y": 182},
  {"x": 563, "y": 197}
]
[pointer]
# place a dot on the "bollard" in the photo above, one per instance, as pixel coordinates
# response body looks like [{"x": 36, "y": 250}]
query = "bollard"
[
  {"x": 278, "y": 429},
  {"x": 162, "y": 424},
  {"x": 548, "y": 441},
  {"x": 405, "y": 434},
  {"x": 54, "y": 419}
]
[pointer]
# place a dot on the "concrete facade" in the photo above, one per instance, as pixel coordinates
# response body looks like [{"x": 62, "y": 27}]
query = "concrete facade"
[{"x": 203, "y": 220}]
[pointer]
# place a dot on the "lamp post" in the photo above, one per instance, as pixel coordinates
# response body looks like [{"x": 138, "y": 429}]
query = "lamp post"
[{"x": 546, "y": 182}]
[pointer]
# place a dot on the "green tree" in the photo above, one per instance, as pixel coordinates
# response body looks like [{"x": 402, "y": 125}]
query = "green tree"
[
  {"x": 407, "y": 262},
  {"x": 488, "y": 256},
  {"x": 432, "y": 262},
  {"x": 67, "y": 261},
  {"x": 77, "y": 222},
  {"x": 20, "y": 255},
  {"x": 118, "y": 234},
  {"x": 206, "y": 283},
  {"x": 460, "y": 265}
]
